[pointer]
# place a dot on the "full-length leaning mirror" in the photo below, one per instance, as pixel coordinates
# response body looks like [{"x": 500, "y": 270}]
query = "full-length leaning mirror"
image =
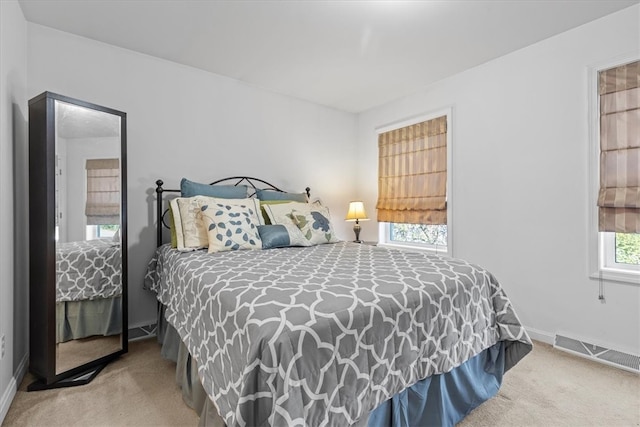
[{"x": 78, "y": 239}]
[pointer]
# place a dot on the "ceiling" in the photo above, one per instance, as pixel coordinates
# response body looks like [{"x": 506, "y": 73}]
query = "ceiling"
[{"x": 349, "y": 55}]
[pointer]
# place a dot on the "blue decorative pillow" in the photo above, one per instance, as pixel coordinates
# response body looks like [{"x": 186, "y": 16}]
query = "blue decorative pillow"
[
  {"x": 190, "y": 189},
  {"x": 274, "y": 236},
  {"x": 231, "y": 227},
  {"x": 280, "y": 195},
  {"x": 280, "y": 236}
]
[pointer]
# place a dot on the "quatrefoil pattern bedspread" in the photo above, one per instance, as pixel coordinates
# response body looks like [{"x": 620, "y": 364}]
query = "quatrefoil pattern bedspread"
[
  {"x": 88, "y": 270},
  {"x": 322, "y": 335}
]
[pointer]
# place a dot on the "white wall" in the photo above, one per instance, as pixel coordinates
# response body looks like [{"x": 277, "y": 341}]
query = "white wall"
[
  {"x": 520, "y": 175},
  {"x": 13, "y": 208},
  {"x": 187, "y": 122}
]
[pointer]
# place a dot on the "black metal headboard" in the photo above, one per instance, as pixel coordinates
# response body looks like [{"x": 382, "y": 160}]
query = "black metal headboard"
[{"x": 251, "y": 183}]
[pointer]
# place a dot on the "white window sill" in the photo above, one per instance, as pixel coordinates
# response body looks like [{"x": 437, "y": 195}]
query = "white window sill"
[
  {"x": 615, "y": 275},
  {"x": 416, "y": 247}
]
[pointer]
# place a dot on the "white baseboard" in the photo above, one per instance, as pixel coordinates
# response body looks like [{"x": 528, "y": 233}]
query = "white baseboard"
[
  {"x": 10, "y": 392},
  {"x": 542, "y": 336},
  {"x": 22, "y": 370},
  {"x": 7, "y": 398}
]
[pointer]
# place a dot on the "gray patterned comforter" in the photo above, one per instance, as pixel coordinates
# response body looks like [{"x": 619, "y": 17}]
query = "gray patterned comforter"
[
  {"x": 88, "y": 270},
  {"x": 320, "y": 336}
]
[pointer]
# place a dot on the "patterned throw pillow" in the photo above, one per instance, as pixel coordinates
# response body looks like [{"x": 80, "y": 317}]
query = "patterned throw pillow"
[
  {"x": 278, "y": 213},
  {"x": 194, "y": 233},
  {"x": 304, "y": 219},
  {"x": 315, "y": 225},
  {"x": 231, "y": 227},
  {"x": 265, "y": 215}
]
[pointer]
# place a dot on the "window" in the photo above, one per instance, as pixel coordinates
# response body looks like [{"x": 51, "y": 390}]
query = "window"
[
  {"x": 425, "y": 236},
  {"x": 615, "y": 172},
  {"x": 620, "y": 251},
  {"x": 97, "y": 231},
  {"x": 414, "y": 182},
  {"x": 103, "y": 197}
]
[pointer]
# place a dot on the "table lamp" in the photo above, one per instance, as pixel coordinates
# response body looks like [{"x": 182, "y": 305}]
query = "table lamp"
[{"x": 356, "y": 213}]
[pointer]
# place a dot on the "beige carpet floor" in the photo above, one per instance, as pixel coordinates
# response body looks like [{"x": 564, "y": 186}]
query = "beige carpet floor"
[{"x": 548, "y": 388}]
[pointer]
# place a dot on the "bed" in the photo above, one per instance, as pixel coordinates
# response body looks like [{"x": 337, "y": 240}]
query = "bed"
[
  {"x": 88, "y": 289},
  {"x": 331, "y": 334}
]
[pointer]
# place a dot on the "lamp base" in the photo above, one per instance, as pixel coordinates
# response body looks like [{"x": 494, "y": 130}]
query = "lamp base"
[{"x": 356, "y": 229}]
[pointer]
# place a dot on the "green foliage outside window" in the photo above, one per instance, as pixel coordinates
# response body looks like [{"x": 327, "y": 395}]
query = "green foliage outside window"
[
  {"x": 628, "y": 248},
  {"x": 107, "y": 230},
  {"x": 419, "y": 233},
  {"x": 627, "y": 244}
]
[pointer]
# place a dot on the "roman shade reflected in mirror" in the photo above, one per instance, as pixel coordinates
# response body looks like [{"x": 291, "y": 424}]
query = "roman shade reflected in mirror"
[{"x": 103, "y": 191}]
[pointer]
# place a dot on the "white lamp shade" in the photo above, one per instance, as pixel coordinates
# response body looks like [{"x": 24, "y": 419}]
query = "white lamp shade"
[{"x": 356, "y": 211}]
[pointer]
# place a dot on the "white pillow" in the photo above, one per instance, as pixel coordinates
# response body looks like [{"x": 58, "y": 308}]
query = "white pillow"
[
  {"x": 231, "y": 227},
  {"x": 194, "y": 233},
  {"x": 177, "y": 223}
]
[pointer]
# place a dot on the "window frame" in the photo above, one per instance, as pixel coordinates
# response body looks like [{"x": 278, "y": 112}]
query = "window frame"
[
  {"x": 93, "y": 231},
  {"x": 384, "y": 231},
  {"x": 608, "y": 254},
  {"x": 601, "y": 245}
]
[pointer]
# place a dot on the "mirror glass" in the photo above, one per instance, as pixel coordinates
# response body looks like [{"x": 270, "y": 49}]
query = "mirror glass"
[{"x": 87, "y": 239}]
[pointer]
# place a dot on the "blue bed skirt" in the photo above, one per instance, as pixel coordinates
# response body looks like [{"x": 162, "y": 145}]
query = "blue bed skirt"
[
  {"x": 444, "y": 400},
  {"x": 440, "y": 400}
]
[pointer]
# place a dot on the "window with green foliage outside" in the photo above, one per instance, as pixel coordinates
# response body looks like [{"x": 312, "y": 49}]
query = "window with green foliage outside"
[
  {"x": 628, "y": 248},
  {"x": 435, "y": 235},
  {"x": 102, "y": 230}
]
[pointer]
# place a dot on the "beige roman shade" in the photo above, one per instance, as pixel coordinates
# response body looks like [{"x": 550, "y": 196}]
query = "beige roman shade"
[
  {"x": 619, "y": 196},
  {"x": 412, "y": 174},
  {"x": 103, "y": 192}
]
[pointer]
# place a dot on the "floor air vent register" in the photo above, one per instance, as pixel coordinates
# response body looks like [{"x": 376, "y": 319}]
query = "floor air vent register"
[{"x": 626, "y": 361}]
